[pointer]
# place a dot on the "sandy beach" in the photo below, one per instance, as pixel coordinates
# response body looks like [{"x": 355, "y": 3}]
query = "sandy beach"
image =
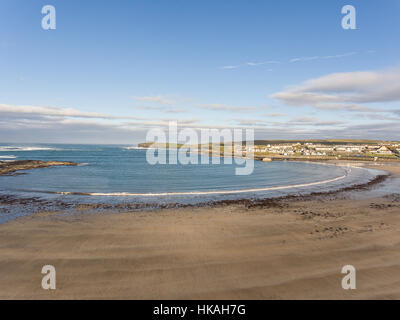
[{"x": 288, "y": 249}]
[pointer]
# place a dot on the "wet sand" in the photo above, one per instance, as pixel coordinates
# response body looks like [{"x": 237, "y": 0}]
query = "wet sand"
[{"x": 285, "y": 249}]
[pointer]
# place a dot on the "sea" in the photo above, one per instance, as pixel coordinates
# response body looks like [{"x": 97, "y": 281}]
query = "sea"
[{"x": 121, "y": 174}]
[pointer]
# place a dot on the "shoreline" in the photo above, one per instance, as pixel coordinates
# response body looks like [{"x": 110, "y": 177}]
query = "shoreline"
[
  {"x": 188, "y": 193},
  {"x": 137, "y": 206},
  {"x": 12, "y": 168},
  {"x": 292, "y": 248}
]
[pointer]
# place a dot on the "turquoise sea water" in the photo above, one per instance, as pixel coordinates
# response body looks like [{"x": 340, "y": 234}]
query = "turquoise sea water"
[
  {"x": 119, "y": 178},
  {"x": 119, "y": 170}
]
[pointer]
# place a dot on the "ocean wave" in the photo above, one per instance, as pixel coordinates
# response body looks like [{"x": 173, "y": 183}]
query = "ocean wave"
[
  {"x": 15, "y": 148},
  {"x": 191, "y": 193},
  {"x": 8, "y": 157}
]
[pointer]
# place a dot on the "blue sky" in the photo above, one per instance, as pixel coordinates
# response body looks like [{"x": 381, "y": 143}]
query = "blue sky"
[{"x": 113, "y": 69}]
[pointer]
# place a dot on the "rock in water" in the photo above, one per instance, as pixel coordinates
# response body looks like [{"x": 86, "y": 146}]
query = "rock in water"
[{"x": 13, "y": 166}]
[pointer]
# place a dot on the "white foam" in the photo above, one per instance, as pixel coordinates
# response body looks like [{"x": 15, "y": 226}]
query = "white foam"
[
  {"x": 211, "y": 192},
  {"x": 15, "y": 148},
  {"x": 8, "y": 157}
]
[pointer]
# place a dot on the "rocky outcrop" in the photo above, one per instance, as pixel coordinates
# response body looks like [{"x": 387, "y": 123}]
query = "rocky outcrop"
[
  {"x": 10, "y": 167},
  {"x": 145, "y": 144}
]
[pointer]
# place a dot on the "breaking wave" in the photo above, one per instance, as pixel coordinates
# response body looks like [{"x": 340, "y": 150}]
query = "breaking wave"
[
  {"x": 14, "y": 148},
  {"x": 221, "y": 192}
]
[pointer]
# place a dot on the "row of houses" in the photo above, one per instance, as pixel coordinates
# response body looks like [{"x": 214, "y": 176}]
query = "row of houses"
[{"x": 320, "y": 150}]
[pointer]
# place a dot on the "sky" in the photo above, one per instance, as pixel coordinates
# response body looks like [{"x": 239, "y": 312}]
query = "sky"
[{"x": 112, "y": 70}]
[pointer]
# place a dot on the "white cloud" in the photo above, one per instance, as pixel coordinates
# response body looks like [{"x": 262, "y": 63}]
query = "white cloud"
[
  {"x": 250, "y": 64},
  {"x": 251, "y": 122},
  {"x": 51, "y": 124},
  {"x": 314, "y": 121},
  {"x": 303, "y": 59},
  {"x": 161, "y": 109},
  {"x": 322, "y": 57},
  {"x": 156, "y": 99},
  {"x": 340, "y": 55},
  {"x": 53, "y": 112},
  {"x": 229, "y": 67},
  {"x": 346, "y": 91},
  {"x": 274, "y": 115},
  {"x": 294, "y": 124},
  {"x": 254, "y": 64},
  {"x": 297, "y": 59},
  {"x": 222, "y": 107}
]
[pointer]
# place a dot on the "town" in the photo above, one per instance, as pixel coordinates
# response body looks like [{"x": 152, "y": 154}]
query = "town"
[
  {"x": 325, "y": 149},
  {"x": 272, "y": 150}
]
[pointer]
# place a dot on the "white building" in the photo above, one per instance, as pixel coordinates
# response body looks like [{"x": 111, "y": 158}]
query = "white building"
[{"x": 384, "y": 150}]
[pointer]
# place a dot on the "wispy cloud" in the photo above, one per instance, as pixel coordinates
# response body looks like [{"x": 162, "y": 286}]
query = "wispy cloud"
[
  {"x": 275, "y": 115},
  {"x": 250, "y": 64},
  {"x": 222, "y": 107},
  {"x": 315, "y": 122},
  {"x": 254, "y": 64},
  {"x": 322, "y": 57},
  {"x": 296, "y": 59},
  {"x": 230, "y": 67},
  {"x": 53, "y": 124},
  {"x": 303, "y": 59},
  {"x": 348, "y": 54},
  {"x": 157, "y": 99},
  {"x": 80, "y": 127},
  {"x": 251, "y": 122},
  {"x": 46, "y": 111},
  {"x": 161, "y": 109},
  {"x": 298, "y": 122}
]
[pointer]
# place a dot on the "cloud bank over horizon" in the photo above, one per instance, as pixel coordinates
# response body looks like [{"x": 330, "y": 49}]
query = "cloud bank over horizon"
[{"x": 363, "y": 95}]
